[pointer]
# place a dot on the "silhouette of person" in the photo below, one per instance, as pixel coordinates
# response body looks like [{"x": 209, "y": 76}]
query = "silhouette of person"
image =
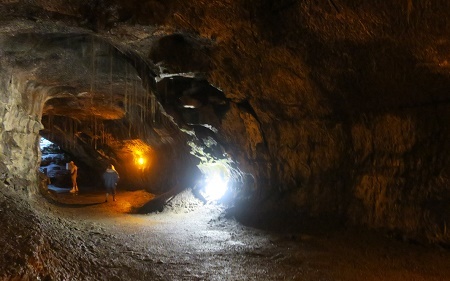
[{"x": 110, "y": 179}]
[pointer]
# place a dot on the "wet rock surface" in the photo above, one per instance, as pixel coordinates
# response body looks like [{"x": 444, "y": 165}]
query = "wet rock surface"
[{"x": 80, "y": 237}]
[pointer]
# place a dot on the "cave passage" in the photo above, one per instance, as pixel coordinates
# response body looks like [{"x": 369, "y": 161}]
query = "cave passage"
[
  {"x": 255, "y": 140},
  {"x": 109, "y": 108},
  {"x": 188, "y": 238},
  {"x": 192, "y": 240},
  {"x": 56, "y": 182}
]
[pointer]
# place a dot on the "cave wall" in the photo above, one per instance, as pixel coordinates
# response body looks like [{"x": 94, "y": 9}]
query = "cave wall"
[
  {"x": 20, "y": 113},
  {"x": 401, "y": 172},
  {"x": 342, "y": 107},
  {"x": 279, "y": 127}
]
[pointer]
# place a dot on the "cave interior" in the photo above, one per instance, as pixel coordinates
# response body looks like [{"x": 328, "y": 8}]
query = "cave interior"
[{"x": 335, "y": 111}]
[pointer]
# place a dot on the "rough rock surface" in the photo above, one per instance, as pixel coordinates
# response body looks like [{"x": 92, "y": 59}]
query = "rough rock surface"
[{"x": 83, "y": 238}]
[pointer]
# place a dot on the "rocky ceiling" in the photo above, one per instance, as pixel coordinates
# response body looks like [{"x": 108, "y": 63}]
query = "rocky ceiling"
[{"x": 336, "y": 106}]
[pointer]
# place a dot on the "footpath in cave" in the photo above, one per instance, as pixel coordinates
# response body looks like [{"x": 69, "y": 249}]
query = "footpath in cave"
[{"x": 81, "y": 237}]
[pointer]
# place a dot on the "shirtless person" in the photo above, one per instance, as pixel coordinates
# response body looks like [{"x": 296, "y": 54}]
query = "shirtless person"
[{"x": 73, "y": 175}]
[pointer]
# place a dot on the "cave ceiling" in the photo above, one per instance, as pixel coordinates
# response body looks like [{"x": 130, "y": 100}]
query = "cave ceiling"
[
  {"x": 99, "y": 89},
  {"x": 164, "y": 71}
]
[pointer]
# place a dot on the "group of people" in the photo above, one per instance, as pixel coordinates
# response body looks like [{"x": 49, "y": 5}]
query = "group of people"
[{"x": 110, "y": 180}]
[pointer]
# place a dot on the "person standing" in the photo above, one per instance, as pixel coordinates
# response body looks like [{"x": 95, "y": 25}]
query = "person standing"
[
  {"x": 110, "y": 179},
  {"x": 73, "y": 175}
]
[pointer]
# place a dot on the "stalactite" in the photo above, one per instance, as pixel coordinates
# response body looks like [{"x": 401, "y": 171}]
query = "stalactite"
[
  {"x": 91, "y": 130},
  {"x": 93, "y": 71},
  {"x": 95, "y": 132},
  {"x": 158, "y": 113},
  {"x": 146, "y": 105},
  {"x": 75, "y": 132},
  {"x": 136, "y": 106},
  {"x": 62, "y": 130},
  {"x": 138, "y": 102},
  {"x": 71, "y": 133},
  {"x": 111, "y": 77},
  {"x": 125, "y": 102},
  {"x": 153, "y": 108},
  {"x": 102, "y": 132},
  {"x": 66, "y": 132},
  {"x": 129, "y": 129}
]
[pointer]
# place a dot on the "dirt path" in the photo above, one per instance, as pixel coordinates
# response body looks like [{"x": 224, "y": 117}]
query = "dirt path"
[{"x": 188, "y": 242}]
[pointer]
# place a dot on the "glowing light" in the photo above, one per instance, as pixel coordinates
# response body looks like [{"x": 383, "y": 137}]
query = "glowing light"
[
  {"x": 215, "y": 181},
  {"x": 140, "y": 154},
  {"x": 215, "y": 187}
]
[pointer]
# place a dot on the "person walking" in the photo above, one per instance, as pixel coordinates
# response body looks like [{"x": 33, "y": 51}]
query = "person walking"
[
  {"x": 73, "y": 175},
  {"x": 110, "y": 179}
]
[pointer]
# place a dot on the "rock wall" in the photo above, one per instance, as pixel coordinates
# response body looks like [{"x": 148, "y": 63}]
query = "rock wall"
[
  {"x": 279, "y": 127},
  {"x": 20, "y": 114},
  {"x": 334, "y": 110},
  {"x": 401, "y": 172}
]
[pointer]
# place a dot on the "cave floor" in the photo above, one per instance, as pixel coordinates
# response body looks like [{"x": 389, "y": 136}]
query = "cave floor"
[{"x": 89, "y": 239}]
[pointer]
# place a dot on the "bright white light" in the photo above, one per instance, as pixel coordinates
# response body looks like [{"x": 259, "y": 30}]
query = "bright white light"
[
  {"x": 215, "y": 180},
  {"x": 215, "y": 187},
  {"x": 44, "y": 142}
]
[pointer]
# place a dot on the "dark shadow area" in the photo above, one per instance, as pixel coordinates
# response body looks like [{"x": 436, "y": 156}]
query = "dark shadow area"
[
  {"x": 283, "y": 221},
  {"x": 157, "y": 204},
  {"x": 182, "y": 53}
]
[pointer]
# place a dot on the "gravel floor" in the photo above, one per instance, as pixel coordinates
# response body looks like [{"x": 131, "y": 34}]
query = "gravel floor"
[{"x": 79, "y": 237}]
